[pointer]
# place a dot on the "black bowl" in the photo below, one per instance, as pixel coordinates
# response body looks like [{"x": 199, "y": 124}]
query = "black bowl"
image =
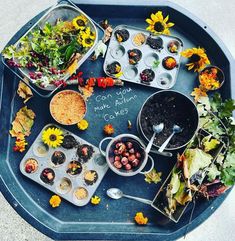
[{"x": 170, "y": 107}]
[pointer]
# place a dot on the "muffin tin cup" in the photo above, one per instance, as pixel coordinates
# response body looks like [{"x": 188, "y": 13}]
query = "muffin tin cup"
[
  {"x": 150, "y": 59},
  {"x": 96, "y": 162}
]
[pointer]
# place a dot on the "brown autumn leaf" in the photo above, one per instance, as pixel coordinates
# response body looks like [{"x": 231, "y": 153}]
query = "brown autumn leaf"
[
  {"x": 23, "y": 123},
  {"x": 24, "y": 91}
]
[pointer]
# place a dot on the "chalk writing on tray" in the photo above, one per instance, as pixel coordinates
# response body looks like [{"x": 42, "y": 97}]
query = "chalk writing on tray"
[{"x": 114, "y": 105}]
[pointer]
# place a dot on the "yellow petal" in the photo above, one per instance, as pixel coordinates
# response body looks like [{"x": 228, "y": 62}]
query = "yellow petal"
[
  {"x": 159, "y": 15},
  {"x": 166, "y": 19},
  {"x": 169, "y": 25},
  {"x": 149, "y": 21},
  {"x": 154, "y": 17}
]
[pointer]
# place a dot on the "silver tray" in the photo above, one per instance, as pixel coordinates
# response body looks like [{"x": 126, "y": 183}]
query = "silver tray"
[
  {"x": 65, "y": 12},
  {"x": 96, "y": 163},
  {"x": 118, "y": 51}
]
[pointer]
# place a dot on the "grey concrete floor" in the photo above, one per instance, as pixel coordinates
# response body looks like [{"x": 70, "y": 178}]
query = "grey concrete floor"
[{"x": 217, "y": 14}]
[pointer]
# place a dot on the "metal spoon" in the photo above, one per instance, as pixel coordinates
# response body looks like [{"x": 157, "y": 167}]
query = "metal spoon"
[
  {"x": 176, "y": 129},
  {"x": 116, "y": 193},
  {"x": 156, "y": 130}
]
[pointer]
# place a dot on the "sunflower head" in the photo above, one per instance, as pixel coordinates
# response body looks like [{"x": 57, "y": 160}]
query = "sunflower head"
[
  {"x": 87, "y": 42},
  {"x": 91, "y": 34},
  {"x": 197, "y": 58},
  {"x": 158, "y": 24},
  {"x": 53, "y": 137},
  {"x": 80, "y": 22}
]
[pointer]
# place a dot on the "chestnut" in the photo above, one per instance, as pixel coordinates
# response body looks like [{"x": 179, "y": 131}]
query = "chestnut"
[
  {"x": 131, "y": 157},
  {"x": 117, "y": 164},
  {"x": 135, "y": 163},
  {"x": 137, "y": 154},
  {"x": 124, "y": 161},
  {"x": 117, "y": 158},
  {"x": 129, "y": 145},
  {"x": 128, "y": 166},
  {"x": 126, "y": 154},
  {"x": 121, "y": 148},
  {"x": 132, "y": 151}
]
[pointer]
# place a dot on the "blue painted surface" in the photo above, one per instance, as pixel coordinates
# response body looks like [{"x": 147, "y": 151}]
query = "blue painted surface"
[{"x": 111, "y": 219}]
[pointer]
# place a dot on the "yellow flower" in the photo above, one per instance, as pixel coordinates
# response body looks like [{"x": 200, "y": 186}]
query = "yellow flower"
[
  {"x": 90, "y": 33},
  {"x": 197, "y": 58},
  {"x": 83, "y": 124},
  {"x": 140, "y": 219},
  {"x": 95, "y": 200},
  {"x": 20, "y": 145},
  {"x": 52, "y": 137},
  {"x": 80, "y": 22},
  {"x": 198, "y": 92},
  {"x": 55, "y": 201},
  {"x": 158, "y": 24},
  {"x": 87, "y": 41}
]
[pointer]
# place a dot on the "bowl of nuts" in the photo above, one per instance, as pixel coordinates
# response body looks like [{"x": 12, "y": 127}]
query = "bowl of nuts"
[{"x": 125, "y": 155}]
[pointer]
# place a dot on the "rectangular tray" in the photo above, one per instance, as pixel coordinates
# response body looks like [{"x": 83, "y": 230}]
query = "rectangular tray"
[
  {"x": 66, "y": 12},
  {"x": 96, "y": 162},
  {"x": 160, "y": 202},
  {"x": 118, "y": 51}
]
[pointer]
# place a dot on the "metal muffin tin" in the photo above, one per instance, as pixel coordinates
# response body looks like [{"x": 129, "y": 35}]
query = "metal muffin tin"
[
  {"x": 96, "y": 162},
  {"x": 118, "y": 51}
]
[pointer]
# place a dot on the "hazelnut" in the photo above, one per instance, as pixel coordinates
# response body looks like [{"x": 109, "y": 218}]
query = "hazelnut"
[
  {"x": 124, "y": 161},
  {"x": 129, "y": 145},
  {"x": 128, "y": 166},
  {"x": 116, "y": 152},
  {"x": 135, "y": 163},
  {"x": 137, "y": 154},
  {"x": 117, "y": 158},
  {"x": 131, "y": 157},
  {"x": 117, "y": 164},
  {"x": 132, "y": 151}
]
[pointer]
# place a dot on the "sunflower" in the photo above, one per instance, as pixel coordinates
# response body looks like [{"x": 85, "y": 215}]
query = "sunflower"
[
  {"x": 90, "y": 33},
  {"x": 87, "y": 41},
  {"x": 197, "y": 58},
  {"x": 158, "y": 24},
  {"x": 80, "y": 22},
  {"x": 52, "y": 137}
]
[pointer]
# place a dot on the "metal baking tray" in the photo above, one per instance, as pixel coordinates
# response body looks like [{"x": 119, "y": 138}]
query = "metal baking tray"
[
  {"x": 66, "y": 11},
  {"x": 95, "y": 163},
  {"x": 111, "y": 219},
  {"x": 119, "y": 52}
]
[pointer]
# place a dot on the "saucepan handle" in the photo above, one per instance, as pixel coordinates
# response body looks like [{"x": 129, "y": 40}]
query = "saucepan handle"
[
  {"x": 151, "y": 168},
  {"x": 101, "y": 143}
]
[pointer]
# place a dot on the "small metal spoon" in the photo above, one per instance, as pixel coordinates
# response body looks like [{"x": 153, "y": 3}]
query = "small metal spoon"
[
  {"x": 116, "y": 193},
  {"x": 156, "y": 130},
  {"x": 176, "y": 129}
]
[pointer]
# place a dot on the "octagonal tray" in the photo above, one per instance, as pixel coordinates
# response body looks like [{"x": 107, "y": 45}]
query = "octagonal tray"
[{"x": 111, "y": 219}]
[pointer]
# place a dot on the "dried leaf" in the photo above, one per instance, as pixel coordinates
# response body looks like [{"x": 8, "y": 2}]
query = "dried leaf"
[
  {"x": 153, "y": 176},
  {"x": 24, "y": 91},
  {"x": 23, "y": 123}
]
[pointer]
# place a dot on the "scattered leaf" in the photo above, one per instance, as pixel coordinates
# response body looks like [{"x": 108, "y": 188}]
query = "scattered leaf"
[{"x": 153, "y": 176}]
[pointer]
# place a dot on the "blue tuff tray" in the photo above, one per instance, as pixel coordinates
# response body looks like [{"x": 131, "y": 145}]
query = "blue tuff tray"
[{"x": 111, "y": 219}]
